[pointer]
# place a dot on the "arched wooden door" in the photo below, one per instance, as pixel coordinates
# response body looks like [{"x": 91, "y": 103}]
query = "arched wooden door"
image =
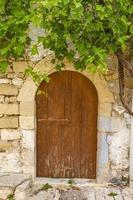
[{"x": 67, "y": 127}]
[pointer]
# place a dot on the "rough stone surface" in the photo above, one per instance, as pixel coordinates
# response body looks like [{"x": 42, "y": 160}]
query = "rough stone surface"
[
  {"x": 105, "y": 109},
  {"x": 27, "y": 158},
  {"x": 9, "y": 109},
  {"x": 10, "y": 163},
  {"x": 103, "y": 92},
  {"x": 28, "y": 169},
  {"x": 10, "y": 99},
  {"x": 119, "y": 152},
  {"x": 20, "y": 66},
  {"x": 117, "y": 124},
  {"x": 17, "y": 81},
  {"x": 27, "y": 122},
  {"x": 4, "y": 192},
  {"x": 11, "y": 75},
  {"x": 82, "y": 193},
  {"x": 4, "y": 80},
  {"x": 5, "y": 146},
  {"x": 104, "y": 124},
  {"x": 8, "y": 122},
  {"x": 28, "y": 91},
  {"x": 127, "y": 194},
  {"x": 22, "y": 190},
  {"x": 7, "y": 89},
  {"x": 12, "y": 180},
  {"x": 2, "y": 99},
  {"x": 7, "y": 134},
  {"x": 27, "y": 108}
]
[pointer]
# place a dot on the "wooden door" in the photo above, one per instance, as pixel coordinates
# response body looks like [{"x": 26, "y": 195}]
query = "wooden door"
[{"x": 67, "y": 127}]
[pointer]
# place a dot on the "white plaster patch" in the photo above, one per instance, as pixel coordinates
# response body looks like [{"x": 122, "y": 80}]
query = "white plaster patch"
[
  {"x": 28, "y": 139},
  {"x": 119, "y": 151},
  {"x": 10, "y": 163},
  {"x": 117, "y": 124}
]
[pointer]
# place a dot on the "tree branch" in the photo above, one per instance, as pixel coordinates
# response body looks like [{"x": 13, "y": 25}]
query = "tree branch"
[
  {"x": 124, "y": 62},
  {"x": 121, "y": 65}
]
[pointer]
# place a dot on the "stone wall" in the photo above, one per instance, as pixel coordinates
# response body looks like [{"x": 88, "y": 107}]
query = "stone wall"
[{"x": 18, "y": 125}]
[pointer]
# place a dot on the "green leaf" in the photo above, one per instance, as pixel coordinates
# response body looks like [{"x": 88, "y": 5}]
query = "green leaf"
[
  {"x": 3, "y": 66},
  {"x": 46, "y": 187},
  {"x": 112, "y": 194},
  {"x": 34, "y": 50}
]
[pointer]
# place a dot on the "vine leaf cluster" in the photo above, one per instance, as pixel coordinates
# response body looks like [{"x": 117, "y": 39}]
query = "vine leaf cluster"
[{"x": 84, "y": 32}]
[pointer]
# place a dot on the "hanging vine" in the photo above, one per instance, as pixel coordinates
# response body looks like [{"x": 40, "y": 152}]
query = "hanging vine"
[{"x": 84, "y": 32}]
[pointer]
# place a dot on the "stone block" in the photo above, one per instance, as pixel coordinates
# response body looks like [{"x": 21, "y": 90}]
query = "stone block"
[
  {"x": 10, "y": 134},
  {"x": 103, "y": 174},
  {"x": 104, "y": 124},
  {"x": 28, "y": 139},
  {"x": 119, "y": 149},
  {"x": 27, "y": 122},
  {"x": 9, "y": 122},
  {"x": 5, "y": 146},
  {"x": 11, "y": 75},
  {"x": 10, "y": 162},
  {"x": 7, "y": 89},
  {"x": 9, "y": 109},
  {"x": 104, "y": 93},
  {"x": 22, "y": 190},
  {"x": 10, "y": 99},
  {"x": 12, "y": 180},
  {"x": 20, "y": 75},
  {"x": 117, "y": 124},
  {"x": 17, "y": 81},
  {"x": 103, "y": 150},
  {"x": 2, "y": 98},
  {"x": 127, "y": 193},
  {"x": 20, "y": 66},
  {"x": 105, "y": 109},
  {"x": 28, "y": 169},
  {"x": 28, "y": 157},
  {"x": 27, "y": 108},
  {"x": 2, "y": 75},
  {"x": 28, "y": 91},
  {"x": 4, "y": 81}
]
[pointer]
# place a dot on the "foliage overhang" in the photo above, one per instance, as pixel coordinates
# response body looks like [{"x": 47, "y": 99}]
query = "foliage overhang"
[{"x": 83, "y": 31}]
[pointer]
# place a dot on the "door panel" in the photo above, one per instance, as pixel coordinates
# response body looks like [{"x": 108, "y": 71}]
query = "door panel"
[{"x": 67, "y": 127}]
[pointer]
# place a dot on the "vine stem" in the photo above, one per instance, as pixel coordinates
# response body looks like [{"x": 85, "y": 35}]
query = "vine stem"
[{"x": 122, "y": 63}]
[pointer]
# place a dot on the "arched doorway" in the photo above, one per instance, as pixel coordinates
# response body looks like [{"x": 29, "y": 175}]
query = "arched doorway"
[{"x": 67, "y": 127}]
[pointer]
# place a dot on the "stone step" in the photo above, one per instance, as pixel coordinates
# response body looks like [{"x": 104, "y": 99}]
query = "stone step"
[{"x": 22, "y": 188}]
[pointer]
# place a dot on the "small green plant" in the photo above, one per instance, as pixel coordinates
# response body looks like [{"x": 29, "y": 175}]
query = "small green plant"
[
  {"x": 71, "y": 182},
  {"x": 46, "y": 186},
  {"x": 10, "y": 196},
  {"x": 113, "y": 194}
]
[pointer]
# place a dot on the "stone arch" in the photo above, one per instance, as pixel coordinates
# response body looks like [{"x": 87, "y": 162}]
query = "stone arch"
[{"x": 27, "y": 118}]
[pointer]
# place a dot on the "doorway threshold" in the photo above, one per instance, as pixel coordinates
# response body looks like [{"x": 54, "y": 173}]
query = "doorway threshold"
[{"x": 68, "y": 181}]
